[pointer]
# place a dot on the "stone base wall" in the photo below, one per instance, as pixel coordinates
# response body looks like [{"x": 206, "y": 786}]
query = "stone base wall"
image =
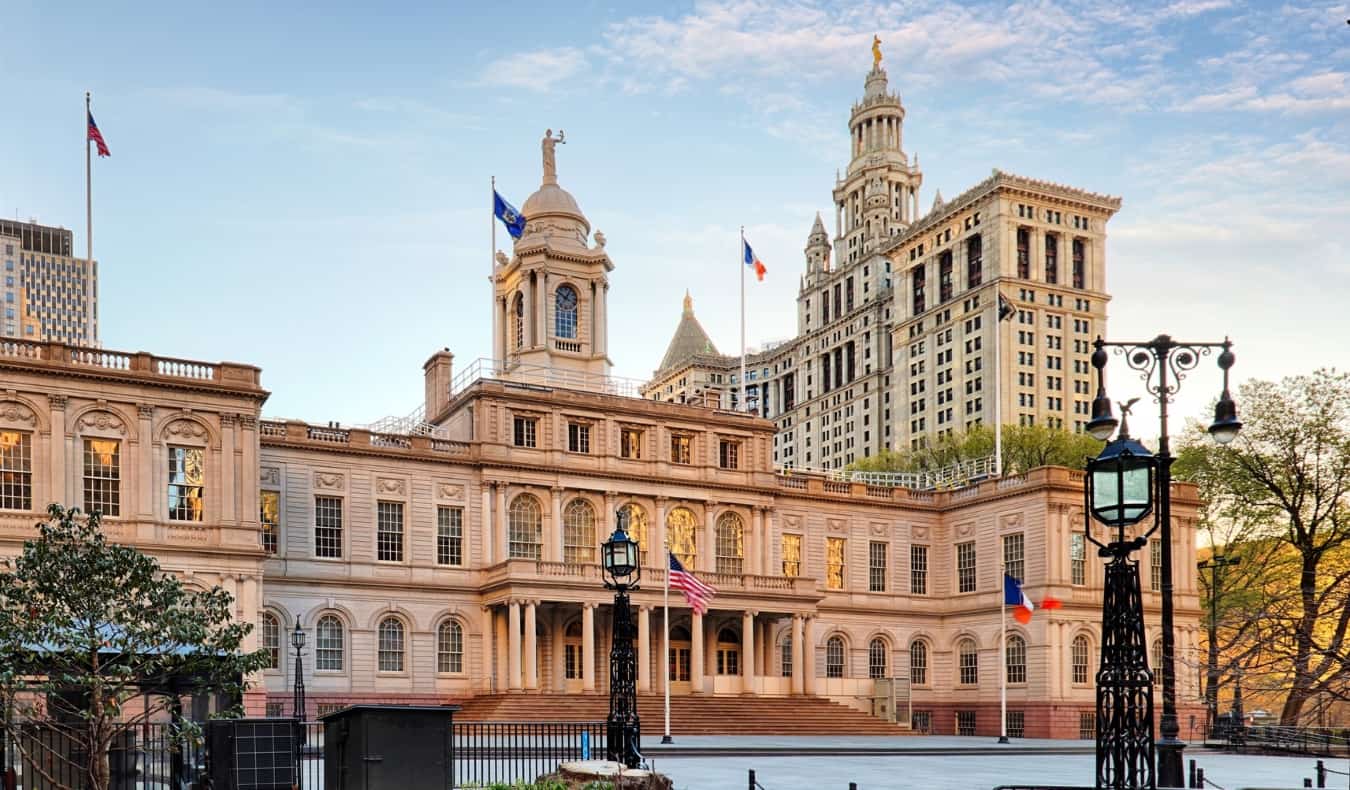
[{"x": 1040, "y": 720}]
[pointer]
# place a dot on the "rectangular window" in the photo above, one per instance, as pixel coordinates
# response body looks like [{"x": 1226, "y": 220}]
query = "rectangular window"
[
  {"x": 1013, "y": 556},
  {"x": 269, "y": 516},
  {"x": 1079, "y": 269},
  {"x": 449, "y": 536},
  {"x": 187, "y": 478},
  {"x": 1155, "y": 565},
  {"x": 327, "y": 526},
  {"x": 681, "y": 449},
  {"x": 16, "y": 470},
  {"x": 945, "y": 286},
  {"x": 525, "y": 431},
  {"x": 1024, "y": 253},
  {"x": 974, "y": 261},
  {"x": 102, "y": 476},
  {"x": 965, "y": 722},
  {"x": 1051, "y": 258},
  {"x": 630, "y": 443},
  {"x": 1087, "y": 726},
  {"x": 917, "y": 285},
  {"x": 578, "y": 437},
  {"x": 876, "y": 566},
  {"x": 792, "y": 555},
  {"x": 834, "y": 563},
  {"x": 389, "y": 531},
  {"x": 918, "y": 570},
  {"x": 1078, "y": 558},
  {"x": 965, "y": 567},
  {"x": 1017, "y": 722},
  {"x": 921, "y": 721},
  {"x": 728, "y": 452}
]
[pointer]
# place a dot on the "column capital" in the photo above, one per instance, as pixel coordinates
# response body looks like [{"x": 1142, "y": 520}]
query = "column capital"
[
  {"x": 145, "y": 411},
  {"x": 752, "y": 612},
  {"x": 662, "y": 499},
  {"x": 57, "y": 402},
  {"x": 556, "y": 489}
]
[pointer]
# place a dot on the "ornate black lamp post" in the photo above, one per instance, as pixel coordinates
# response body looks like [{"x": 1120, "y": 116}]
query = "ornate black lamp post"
[
  {"x": 1214, "y": 565},
  {"x": 622, "y": 571},
  {"x": 1119, "y": 494},
  {"x": 298, "y": 692},
  {"x": 1171, "y": 360}
]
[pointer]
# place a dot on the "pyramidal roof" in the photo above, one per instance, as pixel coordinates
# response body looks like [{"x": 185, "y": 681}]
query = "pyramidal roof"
[{"x": 689, "y": 339}]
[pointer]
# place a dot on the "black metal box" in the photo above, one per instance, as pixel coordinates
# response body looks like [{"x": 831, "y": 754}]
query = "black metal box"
[
  {"x": 378, "y": 747},
  {"x": 253, "y": 754}
]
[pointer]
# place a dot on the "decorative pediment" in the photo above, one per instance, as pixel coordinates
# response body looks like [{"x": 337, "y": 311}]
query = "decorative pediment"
[
  {"x": 185, "y": 429},
  {"x": 103, "y": 422},
  {"x": 965, "y": 529},
  {"x": 13, "y": 412},
  {"x": 328, "y": 481},
  {"x": 880, "y": 530},
  {"x": 450, "y": 491},
  {"x": 1010, "y": 520},
  {"x": 836, "y": 524},
  {"x": 920, "y": 532},
  {"x": 391, "y": 485},
  {"x": 792, "y": 521}
]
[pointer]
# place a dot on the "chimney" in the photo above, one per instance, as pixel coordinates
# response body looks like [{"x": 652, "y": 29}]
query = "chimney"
[{"x": 437, "y": 371}]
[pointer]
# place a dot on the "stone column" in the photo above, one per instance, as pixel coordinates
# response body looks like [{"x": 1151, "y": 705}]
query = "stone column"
[
  {"x": 513, "y": 647},
  {"x": 644, "y": 649},
  {"x": 559, "y": 639},
  {"x": 485, "y": 524},
  {"x": 696, "y": 652},
  {"x": 600, "y": 336},
  {"x": 588, "y": 647},
  {"x": 60, "y": 487},
  {"x": 756, "y": 555},
  {"x": 554, "y": 543},
  {"x": 531, "y": 649},
  {"x": 503, "y": 638},
  {"x": 748, "y": 654},
  {"x": 229, "y": 491},
  {"x": 142, "y": 499},
  {"x": 706, "y": 562},
  {"x": 659, "y": 543},
  {"x": 486, "y": 630},
  {"x": 809, "y": 654},
  {"x": 499, "y": 522},
  {"x": 798, "y": 655},
  {"x": 766, "y": 545}
]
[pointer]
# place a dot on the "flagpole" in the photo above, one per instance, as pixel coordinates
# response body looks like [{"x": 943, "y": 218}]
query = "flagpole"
[
  {"x": 745, "y": 405},
  {"x": 1003, "y": 662},
  {"x": 665, "y": 738},
  {"x": 497, "y": 329},
  {"x": 88, "y": 189}
]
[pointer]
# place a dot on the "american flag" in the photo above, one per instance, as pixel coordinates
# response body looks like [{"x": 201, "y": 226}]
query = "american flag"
[
  {"x": 697, "y": 593},
  {"x": 97, "y": 137}
]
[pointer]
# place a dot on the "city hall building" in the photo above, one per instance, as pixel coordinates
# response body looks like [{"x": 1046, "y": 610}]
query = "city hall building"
[{"x": 454, "y": 555}]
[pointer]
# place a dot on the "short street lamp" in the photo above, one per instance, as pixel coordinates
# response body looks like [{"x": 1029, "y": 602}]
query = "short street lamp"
[
  {"x": 1119, "y": 494},
  {"x": 1170, "y": 360},
  {"x": 622, "y": 571},
  {"x": 1214, "y": 565}
]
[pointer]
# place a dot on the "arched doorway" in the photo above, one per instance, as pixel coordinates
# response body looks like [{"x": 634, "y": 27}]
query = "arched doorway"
[{"x": 681, "y": 648}]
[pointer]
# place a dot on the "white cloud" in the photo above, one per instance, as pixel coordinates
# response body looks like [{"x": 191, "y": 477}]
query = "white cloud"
[{"x": 540, "y": 70}]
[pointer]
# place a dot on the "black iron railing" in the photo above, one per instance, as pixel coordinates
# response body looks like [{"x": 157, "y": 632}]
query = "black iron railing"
[
  {"x": 487, "y": 752},
  {"x": 156, "y": 754}
]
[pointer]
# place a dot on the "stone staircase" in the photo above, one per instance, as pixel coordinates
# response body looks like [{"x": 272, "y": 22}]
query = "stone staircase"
[{"x": 690, "y": 715}]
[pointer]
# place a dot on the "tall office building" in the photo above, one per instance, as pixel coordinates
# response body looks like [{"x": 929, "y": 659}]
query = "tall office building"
[
  {"x": 897, "y": 317},
  {"x": 48, "y": 293}
]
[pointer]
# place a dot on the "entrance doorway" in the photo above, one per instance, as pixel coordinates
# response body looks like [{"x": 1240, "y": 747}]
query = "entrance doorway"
[
  {"x": 728, "y": 652},
  {"x": 681, "y": 649},
  {"x": 572, "y": 672}
]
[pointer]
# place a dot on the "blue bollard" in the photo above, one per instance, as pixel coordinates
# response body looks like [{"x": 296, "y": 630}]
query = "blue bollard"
[{"x": 585, "y": 745}]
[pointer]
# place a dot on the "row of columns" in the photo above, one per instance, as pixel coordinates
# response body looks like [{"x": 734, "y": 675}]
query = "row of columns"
[
  {"x": 882, "y": 133},
  {"x": 536, "y": 288},
  {"x": 516, "y": 630}
]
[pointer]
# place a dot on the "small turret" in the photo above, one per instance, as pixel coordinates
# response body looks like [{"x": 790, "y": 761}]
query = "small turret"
[{"x": 818, "y": 247}]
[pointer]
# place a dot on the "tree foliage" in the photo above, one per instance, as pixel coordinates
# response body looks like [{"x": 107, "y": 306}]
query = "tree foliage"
[
  {"x": 87, "y": 627},
  {"x": 1281, "y": 493},
  {"x": 1025, "y": 447}
]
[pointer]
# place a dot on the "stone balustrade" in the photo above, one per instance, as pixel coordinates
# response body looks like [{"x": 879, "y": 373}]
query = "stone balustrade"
[{"x": 139, "y": 364}]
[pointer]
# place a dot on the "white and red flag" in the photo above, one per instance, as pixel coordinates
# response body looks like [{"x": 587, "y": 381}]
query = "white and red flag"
[
  {"x": 1014, "y": 596},
  {"x": 696, "y": 592}
]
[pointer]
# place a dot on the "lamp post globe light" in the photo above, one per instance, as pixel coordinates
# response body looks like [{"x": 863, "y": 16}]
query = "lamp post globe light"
[
  {"x": 298, "y": 692},
  {"x": 622, "y": 570},
  {"x": 1170, "y": 361}
]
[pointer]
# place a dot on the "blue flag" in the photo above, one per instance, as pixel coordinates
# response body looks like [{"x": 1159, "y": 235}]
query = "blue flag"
[{"x": 512, "y": 219}]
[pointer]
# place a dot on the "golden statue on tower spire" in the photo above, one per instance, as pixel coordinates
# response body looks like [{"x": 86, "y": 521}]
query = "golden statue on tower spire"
[{"x": 876, "y": 52}]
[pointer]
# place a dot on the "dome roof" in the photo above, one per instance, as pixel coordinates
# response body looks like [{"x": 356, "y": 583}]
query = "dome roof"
[{"x": 551, "y": 199}]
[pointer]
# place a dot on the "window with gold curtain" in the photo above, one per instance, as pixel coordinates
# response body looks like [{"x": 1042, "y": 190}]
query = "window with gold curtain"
[
  {"x": 637, "y": 528},
  {"x": 16, "y": 471},
  {"x": 682, "y": 532},
  {"x": 792, "y": 555},
  {"x": 730, "y": 543},
  {"x": 269, "y": 514},
  {"x": 187, "y": 481},
  {"x": 834, "y": 563},
  {"x": 102, "y": 477}
]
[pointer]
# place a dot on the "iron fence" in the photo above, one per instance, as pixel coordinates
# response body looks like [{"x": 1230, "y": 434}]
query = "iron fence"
[{"x": 151, "y": 755}]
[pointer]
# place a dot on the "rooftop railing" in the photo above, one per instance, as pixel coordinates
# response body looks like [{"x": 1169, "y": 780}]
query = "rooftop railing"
[
  {"x": 544, "y": 376},
  {"x": 129, "y": 362}
]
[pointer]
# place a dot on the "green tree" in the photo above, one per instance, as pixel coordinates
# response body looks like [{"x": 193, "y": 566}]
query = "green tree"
[
  {"x": 1283, "y": 487},
  {"x": 1025, "y": 447},
  {"x": 86, "y": 626}
]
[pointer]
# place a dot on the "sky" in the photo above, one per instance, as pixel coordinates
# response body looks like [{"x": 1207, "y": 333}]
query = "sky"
[{"x": 305, "y": 186}]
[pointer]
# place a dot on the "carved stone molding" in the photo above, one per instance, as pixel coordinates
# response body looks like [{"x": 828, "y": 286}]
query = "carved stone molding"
[
  {"x": 269, "y": 476},
  {"x": 965, "y": 530},
  {"x": 450, "y": 491},
  {"x": 13, "y": 411},
  {"x": 328, "y": 480},
  {"x": 58, "y": 402},
  {"x": 391, "y": 485},
  {"x": 836, "y": 524},
  {"x": 791, "y": 521},
  {"x": 920, "y": 532},
  {"x": 102, "y": 421},
  {"x": 185, "y": 429},
  {"x": 1011, "y": 520},
  {"x": 248, "y": 421},
  {"x": 227, "y": 420},
  {"x": 880, "y": 530},
  {"x": 145, "y": 411}
]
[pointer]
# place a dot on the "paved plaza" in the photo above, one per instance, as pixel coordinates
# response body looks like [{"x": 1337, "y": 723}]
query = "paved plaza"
[{"x": 937, "y": 763}]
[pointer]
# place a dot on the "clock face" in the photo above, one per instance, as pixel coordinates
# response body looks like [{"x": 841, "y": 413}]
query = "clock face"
[{"x": 567, "y": 299}]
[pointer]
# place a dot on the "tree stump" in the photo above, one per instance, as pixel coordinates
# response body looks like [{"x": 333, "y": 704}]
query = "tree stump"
[{"x": 580, "y": 774}]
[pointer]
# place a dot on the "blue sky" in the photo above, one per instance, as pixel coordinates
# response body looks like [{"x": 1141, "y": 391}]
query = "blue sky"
[{"x": 306, "y": 188}]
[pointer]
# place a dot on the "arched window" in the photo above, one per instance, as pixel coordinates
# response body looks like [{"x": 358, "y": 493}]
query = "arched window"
[
  {"x": 525, "y": 528},
  {"x": 328, "y": 643},
  {"x": 728, "y": 652},
  {"x": 786, "y": 658},
  {"x": 518, "y": 319},
  {"x": 834, "y": 657},
  {"x": 391, "y": 645},
  {"x": 1157, "y": 661},
  {"x": 1080, "y": 652},
  {"x": 682, "y": 532},
  {"x": 579, "y": 532},
  {"x": 730, "y": 543},
  {"x": 637, "y": 528},
  {"x": 968, "y": 662},
  {"x": 565, "y": 312},
  {"x": 918, "y": 663},
  {"x": 450, "y": 647},
  {"x": 1016, "y": 659},
  {"x": 269, "y": 635},
  {"x": 572, "y": 651},
  {"x": 876, "y": 658}
]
